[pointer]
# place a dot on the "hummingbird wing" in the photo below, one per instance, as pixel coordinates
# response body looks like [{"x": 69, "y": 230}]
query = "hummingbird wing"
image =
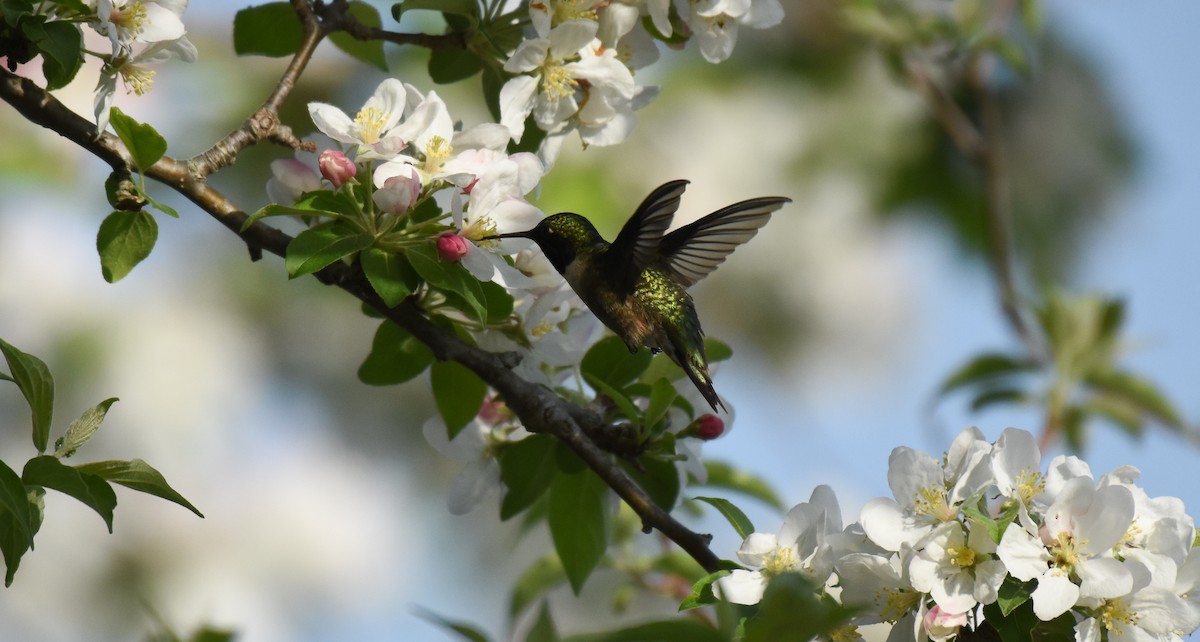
[
  {"x": 696, "y": 249},
  {"x": 637, "y": 245}
]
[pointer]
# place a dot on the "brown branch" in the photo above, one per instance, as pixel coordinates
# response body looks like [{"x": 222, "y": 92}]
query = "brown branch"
[
  {"x": 336, "y": 17},
  {"x": 539, "y": 409},
  {"x": 264, "y": 123}
]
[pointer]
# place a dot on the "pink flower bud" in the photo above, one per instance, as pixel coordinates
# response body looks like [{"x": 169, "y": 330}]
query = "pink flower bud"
[
  {"x": 940, "y": 625},
  {"x": 290, "y": 178},
  {"x": 335, "y": 167},
  {"x": 452, "y": 247},
  {"x": 708, "y": 427}
]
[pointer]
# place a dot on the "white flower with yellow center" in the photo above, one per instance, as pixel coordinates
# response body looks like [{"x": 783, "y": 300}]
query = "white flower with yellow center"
[
  {"x": 135, "y": 74},
  {"x": 371, "y": 129},
  {"x": 958, "y": 569},
  {"x": 803, "y": 545},
  {"x": 927, "y": 492},
  {"x": 1071, "y": 556},
  {"x": 128, "y": 21}
]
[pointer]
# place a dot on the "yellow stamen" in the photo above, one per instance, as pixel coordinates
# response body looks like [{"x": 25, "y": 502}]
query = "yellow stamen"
[
  {"x": 437, "y": 150},
  {"x": 138, "y": 80},
  {"x": 961, "y": 557},
  {"x": 931, "y": 501},
  {"x": 896, "y": 603},
  {"x": 783, "y": 560},
  {"x": 370, "y": 122},
  {"x": 557, "y": 82},
  {"x": 1030, "y": 484},
  {"x": 1116, "y": 613}
]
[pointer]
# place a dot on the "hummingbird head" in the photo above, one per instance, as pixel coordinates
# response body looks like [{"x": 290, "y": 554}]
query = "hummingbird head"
[{"x": 562, "y": 237}]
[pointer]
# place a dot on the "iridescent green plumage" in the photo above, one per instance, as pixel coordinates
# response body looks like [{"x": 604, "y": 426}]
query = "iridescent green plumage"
[{"x": 637, "y": 285}]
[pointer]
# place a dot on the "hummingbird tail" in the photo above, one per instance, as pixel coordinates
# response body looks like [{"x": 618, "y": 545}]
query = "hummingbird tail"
[{"x": 697, "y": 371}]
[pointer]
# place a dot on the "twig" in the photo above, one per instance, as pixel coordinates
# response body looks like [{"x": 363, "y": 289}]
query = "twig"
[{"x": 539, "y": 408}]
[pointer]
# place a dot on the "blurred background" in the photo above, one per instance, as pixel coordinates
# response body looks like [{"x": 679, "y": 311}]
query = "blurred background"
[{"x": 845, "y": 316}]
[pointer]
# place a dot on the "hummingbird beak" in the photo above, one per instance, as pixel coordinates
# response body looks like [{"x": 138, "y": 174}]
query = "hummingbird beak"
[{"x": 511, "y": 235}]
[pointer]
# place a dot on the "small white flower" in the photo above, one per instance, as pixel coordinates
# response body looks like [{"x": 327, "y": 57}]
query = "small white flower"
[
  {"x": 290, "y": 178},
  {"x": 128, "y": 21},
  {"x": 801, "y": 546},
  {"x": 134, "y": 74},
  {"x": 958, "y": 570},
  {"x": 370, "y": 130}
]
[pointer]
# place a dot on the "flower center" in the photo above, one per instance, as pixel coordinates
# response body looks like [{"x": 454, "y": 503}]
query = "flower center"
[
  {"x": 1030, "y": 484},
  {"x": 896, "y": 603},
  {"x": 138, "y": 80},
  {"x": 567, "y": 10},
  {"x": 845, "y": 633},
  {"x": 783, "y": 560},
  {"x": 963, "y": 557},
  {"x": 931, "y": 501},
  {"x": 370, "y": 123},
  {"x": 542, "y": 329},
  {"x": 131, "y": 18},
  {"x": 1066, "y": 552},
  {"x": 1116, "y": 613},
  {"x": 557, "y": 82},
  {"x": 437, "y": 150}
]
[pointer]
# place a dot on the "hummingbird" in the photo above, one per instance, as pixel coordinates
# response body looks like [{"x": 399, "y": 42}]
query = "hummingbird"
[{"x": 637, "y": 285}]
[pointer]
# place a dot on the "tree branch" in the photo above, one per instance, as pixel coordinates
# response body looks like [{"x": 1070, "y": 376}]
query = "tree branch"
[{"x": 539, "y": 409}]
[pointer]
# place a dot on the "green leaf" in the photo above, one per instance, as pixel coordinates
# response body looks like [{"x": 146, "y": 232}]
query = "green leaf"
[
  {"x": 702, "y": 592},
  {"x": 449, "y": 277},
  {"x": 390, "y": 274},
  {"x": 527, "y": 469},
  {"x": 732, "y": 513},
  {"x": 396, "y": 356},
  {"x": 14, "y": 502},
  {"x": 90, "y": 489},
  {"x": 139, "y": 476},
  {"x": 722, "y": 475},
  {"x": 1012, "y": 594},
  {"x": 658, "y": 478},
  {"x": 1015, "y": 625},
  {"x": 468, "y": 8},
  {"x": 792, "y": 610},
  {"x": 145, "y": 144},
  {"x": 541, "y": 576},
  {"x": 611, "y": 362},
  {"x": 543, "y": 629},
  {"x": 458, "y": 393},
  {"x": 579, "y": 524},
  {"x": 275, "y": 209},
  {"x": 125, "y": 239},
  {"x": 464, "y": 630},
  {"x": 994, "y": 396},
  {"x": 498, "y": 301},
  {"x": 618, "y": 397},
  {"x": 82, "y": 429},
  {"x": 33, "y": 379},
  {"x": 662, "y": 395},
  {"x": 985, "y": 367},
  {"x": 61, "y": 44},
  {"x": 680, "y": 630},
  {"x": 14, "y": 539},
  {"x": 366, "y": 51},
  {"x": 451, "y": 64},
  {"x": 1136, "y": 391},
  {"x": 319, "y": 246},
  {"x": 270, "y": 29},
  {"x": 165, "y": 209}
]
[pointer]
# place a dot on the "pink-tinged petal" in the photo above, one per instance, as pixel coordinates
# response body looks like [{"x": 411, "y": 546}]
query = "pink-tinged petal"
[
  {"x": 332, "y": 122},
  {"x": 569, "y": 37},
  {"x": 1103, "y": 577},
  {"x": 530, "y": 55},
  {"x": 1054, "y": 595},
  {"x": 516, "y": 101},
  {"x": 741, "y": 587}
]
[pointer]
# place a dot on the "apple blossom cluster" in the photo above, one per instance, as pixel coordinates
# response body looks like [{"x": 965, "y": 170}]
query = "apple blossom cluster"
[
  {"x": 577, "y": 73},
  {"x": 984, "y": 532},
  {"x": 142, "y": 33}
]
